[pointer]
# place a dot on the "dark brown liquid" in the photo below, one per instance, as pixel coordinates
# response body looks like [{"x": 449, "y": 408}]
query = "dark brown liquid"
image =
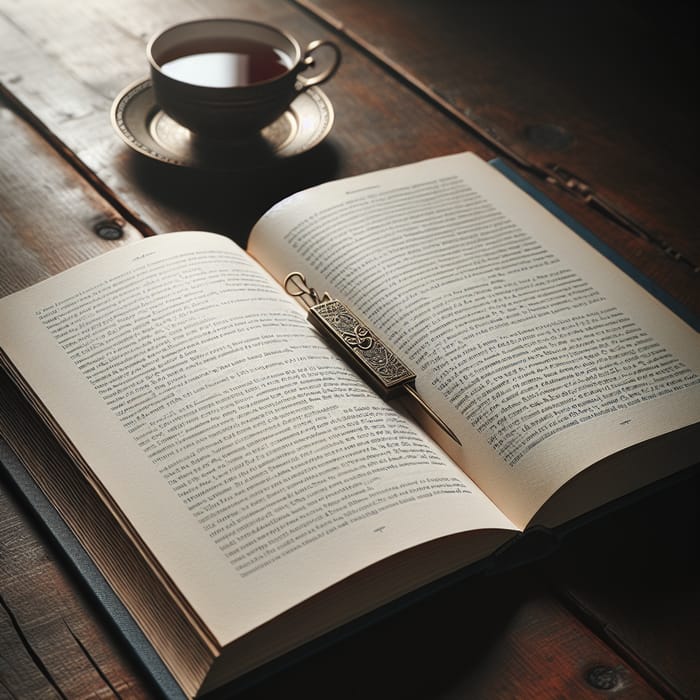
[{"x": 224, "y": 62}]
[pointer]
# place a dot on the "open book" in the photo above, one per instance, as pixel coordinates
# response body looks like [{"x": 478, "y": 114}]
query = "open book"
[{"x": 244, "y": 491}]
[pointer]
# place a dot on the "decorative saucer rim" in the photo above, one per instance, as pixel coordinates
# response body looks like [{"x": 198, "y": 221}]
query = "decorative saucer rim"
[{"x": 311, "y": 103}]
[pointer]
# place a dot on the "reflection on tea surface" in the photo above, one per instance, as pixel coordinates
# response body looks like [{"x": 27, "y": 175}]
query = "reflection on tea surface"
[{"x": 224, "y": 62}]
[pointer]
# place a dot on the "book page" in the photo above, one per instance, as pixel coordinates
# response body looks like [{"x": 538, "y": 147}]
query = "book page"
[
  {"x": 251, "y": 462},
  {"x": 542, "y": 355}
]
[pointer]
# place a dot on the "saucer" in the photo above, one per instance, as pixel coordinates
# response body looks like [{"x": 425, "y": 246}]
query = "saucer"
[{"x": 144, "y": 127}]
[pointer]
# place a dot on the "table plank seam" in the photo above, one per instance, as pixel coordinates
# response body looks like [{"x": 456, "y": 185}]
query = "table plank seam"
[
  {"x": 91, "y": 659},
  {"x": 33, "y": 655}
]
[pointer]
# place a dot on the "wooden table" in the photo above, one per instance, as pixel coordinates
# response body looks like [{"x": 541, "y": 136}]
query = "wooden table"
[{"x": 593, "y": 104}]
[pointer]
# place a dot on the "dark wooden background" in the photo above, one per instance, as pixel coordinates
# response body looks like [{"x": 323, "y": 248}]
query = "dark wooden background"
[{"x": 594, "y": 104}]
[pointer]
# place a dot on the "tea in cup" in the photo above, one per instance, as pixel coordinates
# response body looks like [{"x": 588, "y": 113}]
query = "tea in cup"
[{"x": 229, "y": 78}]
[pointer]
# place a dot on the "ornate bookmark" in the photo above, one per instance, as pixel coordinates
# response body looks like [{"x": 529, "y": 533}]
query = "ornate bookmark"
[{"x": 368, "y": 355}]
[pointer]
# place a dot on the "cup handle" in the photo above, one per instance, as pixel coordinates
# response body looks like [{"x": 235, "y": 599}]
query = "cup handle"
[{"x": 308, "y": 60}]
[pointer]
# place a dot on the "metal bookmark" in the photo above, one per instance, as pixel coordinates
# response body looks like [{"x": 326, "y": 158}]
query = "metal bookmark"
[{"x": 372, "y": 360}]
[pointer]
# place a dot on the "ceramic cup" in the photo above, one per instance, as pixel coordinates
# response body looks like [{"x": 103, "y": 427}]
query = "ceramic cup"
[{"x": 228, "y": 78}]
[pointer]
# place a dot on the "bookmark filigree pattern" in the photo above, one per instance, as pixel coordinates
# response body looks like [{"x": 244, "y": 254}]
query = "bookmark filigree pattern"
[{"x": 363, "y": 343}]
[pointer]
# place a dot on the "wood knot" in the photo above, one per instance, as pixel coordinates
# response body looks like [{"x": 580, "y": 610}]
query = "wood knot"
[
  {"x": 109, "y": 229},
  {"x": 603, "y": 678}
]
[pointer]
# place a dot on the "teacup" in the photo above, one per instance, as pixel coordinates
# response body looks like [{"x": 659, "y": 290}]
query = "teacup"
[{"x": 228, "y": 78}]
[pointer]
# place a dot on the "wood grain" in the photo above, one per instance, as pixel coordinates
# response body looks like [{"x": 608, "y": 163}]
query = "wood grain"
[
  {"x": 64, "y": 173},
  {"x": 49, "y": 216},
  {"x": 634, "y": 577},
  {"x": 556, "y": 85},
  {"x": 492, "y": 637},
  {"x": 69, "y": 85},
  {"x": 52, "y": 644}
]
